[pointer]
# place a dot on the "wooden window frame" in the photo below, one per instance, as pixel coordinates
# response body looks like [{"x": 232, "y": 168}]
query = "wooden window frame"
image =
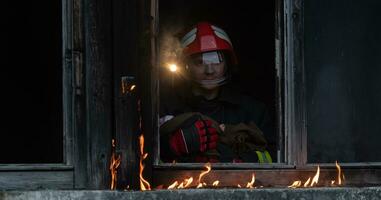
[
  {"x": 95, "y": 111},
  {"x": 291, "y": 109},
  {"x": 57, "y": 175},
  {"x": 87, "y": 106}
]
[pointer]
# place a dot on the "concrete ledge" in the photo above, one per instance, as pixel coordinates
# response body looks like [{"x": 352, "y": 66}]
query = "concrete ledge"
[{"x": 201, "y": 194}]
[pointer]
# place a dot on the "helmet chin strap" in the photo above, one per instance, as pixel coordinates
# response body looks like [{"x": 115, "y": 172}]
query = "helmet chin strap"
[{"x": 214, "y": 82}]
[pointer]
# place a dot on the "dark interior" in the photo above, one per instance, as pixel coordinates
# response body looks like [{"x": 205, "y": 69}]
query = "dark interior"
[
  {"x": 342, "y": 62},
  {"x": 31, "y": 83},
  {"x": 251, "y": 30}
]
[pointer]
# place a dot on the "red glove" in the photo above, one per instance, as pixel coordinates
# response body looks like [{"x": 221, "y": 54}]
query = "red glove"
[{"x": 194, "y": 137}]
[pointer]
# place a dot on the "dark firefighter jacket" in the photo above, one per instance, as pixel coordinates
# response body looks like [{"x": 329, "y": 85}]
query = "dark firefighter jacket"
[{"x": 239, "y": 113}]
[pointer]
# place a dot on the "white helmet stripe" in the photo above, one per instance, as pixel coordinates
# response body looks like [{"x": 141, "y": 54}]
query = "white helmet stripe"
[
  {"x": 221, "y": 34},
  {"x": 188, "y": 38}
]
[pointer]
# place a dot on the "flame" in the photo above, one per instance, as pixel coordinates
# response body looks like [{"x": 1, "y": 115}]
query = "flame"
[
  {"x": 307, "y": 182},
  {"x": 187, "y": 182},
  {"x": 316, "y": 177},
  {"x": 314, "y": 181},
  {"x": 295, "y": 184},
  {"x": 339, "y": 174},
  {"x": 208, "y": 168},
  {"x": 132, "y": 87},
  {"x": 251, "y": 183},
  {"x": 310, "y": 182},
  {"x": 180, "y": 186},
  {"x": 173, "y": 185},
  {"x": 144, "y": 185},
  {"x": 114, "y": 164},
  {"x": 215, "y": 183}
]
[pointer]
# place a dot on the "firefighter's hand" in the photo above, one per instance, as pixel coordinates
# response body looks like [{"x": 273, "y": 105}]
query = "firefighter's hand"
[{"x": 194, "y": 137}]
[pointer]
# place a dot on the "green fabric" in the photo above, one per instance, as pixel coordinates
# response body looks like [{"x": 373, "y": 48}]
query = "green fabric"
[{"x": 264, "y": 157}]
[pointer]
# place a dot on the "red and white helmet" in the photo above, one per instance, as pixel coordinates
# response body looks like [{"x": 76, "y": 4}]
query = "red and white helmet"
[{"x": 204, "y": 37}]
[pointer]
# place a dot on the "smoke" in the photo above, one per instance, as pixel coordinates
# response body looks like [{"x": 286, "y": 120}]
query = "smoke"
[{"x": 169, "y": 45}]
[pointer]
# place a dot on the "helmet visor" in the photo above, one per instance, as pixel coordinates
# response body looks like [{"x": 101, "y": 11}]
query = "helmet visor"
[{"x": 207, "y": 58}]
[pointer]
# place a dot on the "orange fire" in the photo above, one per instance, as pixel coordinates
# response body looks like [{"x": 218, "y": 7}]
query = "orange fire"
[
  {"x": 310, "y": 182},
  {"x": 114, "y": 164},
  {"x": 314, "y": 181},
  {"x": 188, "y": 181},
  {"x": 144, "y": 185},
  {"x": 173, "y": 185},
  {"x": 251, "y": 183},
  {"x": 295, "y": 184},
  {"x": 208, "y": 168},
  {"x": 340, "y": 176},
  {"x": 215, "y": 183},
  {"x": 307, "y": 182}
]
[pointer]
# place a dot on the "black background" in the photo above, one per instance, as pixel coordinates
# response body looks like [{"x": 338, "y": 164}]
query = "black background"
[
  {"x": 251, "y": 28},
  {"x": 31, "y": 83}
]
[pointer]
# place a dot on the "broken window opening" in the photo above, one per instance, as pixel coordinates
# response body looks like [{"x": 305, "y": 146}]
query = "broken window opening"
[
  {"x": 32, "y": 105},
  {"x": 254, "y": 76}
]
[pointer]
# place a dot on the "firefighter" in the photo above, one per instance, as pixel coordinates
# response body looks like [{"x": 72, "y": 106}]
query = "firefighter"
[{"x": 205, "y": 119}]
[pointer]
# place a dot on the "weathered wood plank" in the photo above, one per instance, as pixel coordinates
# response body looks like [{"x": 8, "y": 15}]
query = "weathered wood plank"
[
  {"x": 32, "y": 167},
  {"x": 224, "y": 166},
  {"x": 146, "y": 79},
  {"x": 99, "y": 90},
  {"x": 74, "y": 91},
  {"x": 294, "y": 97},
  {"x": 36, "y": 180},
  {"x": 125, "y": 59}
]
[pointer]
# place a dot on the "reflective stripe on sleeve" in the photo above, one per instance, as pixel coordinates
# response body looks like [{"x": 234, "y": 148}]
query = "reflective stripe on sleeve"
[{"x": 264, "y": 157}]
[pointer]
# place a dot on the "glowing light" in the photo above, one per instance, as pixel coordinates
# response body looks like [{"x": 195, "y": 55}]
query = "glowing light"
[
  {"x": 172, "y": 67},
  {"x": 132, "y": 87}
]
